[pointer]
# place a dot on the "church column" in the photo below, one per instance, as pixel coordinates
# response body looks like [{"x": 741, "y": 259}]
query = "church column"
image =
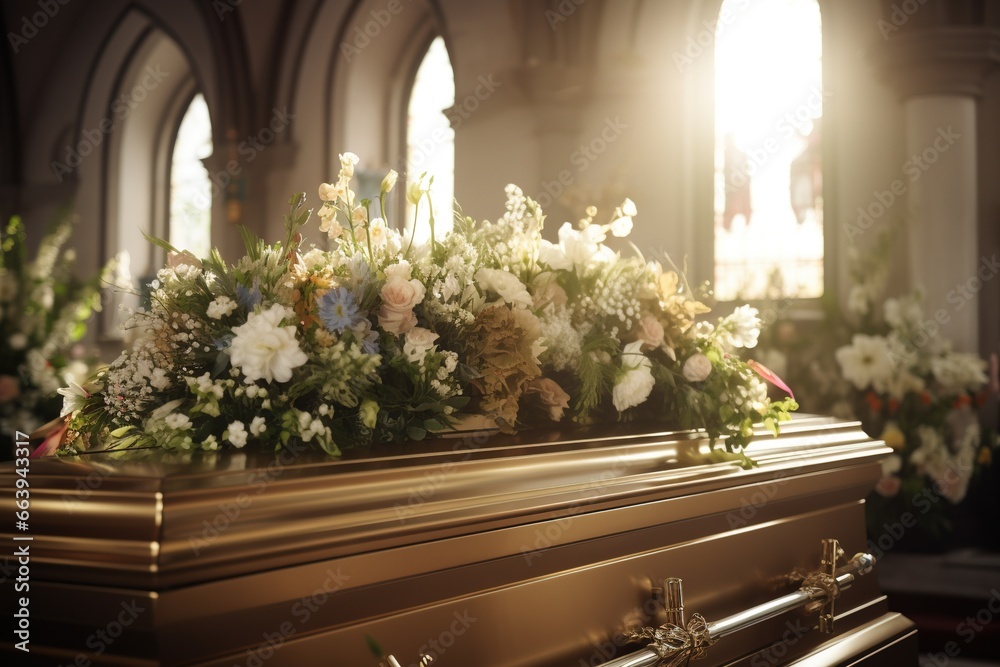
[{"x": 939, "y": 72}]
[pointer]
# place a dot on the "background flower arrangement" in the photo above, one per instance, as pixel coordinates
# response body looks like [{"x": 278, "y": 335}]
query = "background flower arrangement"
[
  {"x": 380, "y": 338},
  {"x": 43, "y": 315},
  {"x": 884, "y": 363}
]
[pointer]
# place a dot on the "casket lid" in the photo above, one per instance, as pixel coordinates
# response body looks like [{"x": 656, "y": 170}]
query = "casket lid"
[{"x": 155, "y": 519}]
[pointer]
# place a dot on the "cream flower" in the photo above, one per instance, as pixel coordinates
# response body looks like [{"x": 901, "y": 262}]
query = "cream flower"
[
  {"x": 697, "y": 368},
  {"x": 347, "y": 162},
  {"x": 263, "y": 349},
  {"x": 237, "y": 434},
  {"x": 389, "y": 182},
  {"x": 506, "y": 285},
  {"x": 328, "y": 192},
  {"x": 220, "y": 307},
  {"x": 636, "y": 381},
  {"x": 650, "y": 331},
  {"x": 865, "y": 361},
  {"x": 419, "y": 341},
  {"x": 399, "y": 296}
]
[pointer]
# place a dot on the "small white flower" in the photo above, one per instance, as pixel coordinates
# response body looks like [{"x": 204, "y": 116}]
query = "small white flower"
[
  {"x": 258, "y": 425},
  {"x": 220, "y": 307},
  {"x": 177, "y": 421},
  {"x": 857, "y": 300},
  {"x": 237, "y": 434}
]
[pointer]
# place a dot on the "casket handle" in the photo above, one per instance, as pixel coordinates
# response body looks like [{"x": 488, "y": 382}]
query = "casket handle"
[{"x": 679, "y": 640}]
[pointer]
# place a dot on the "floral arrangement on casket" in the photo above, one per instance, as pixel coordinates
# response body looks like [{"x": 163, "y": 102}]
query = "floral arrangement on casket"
[
  {"x": 44, "y": 310},
  {"x": 382, "y": 339}
]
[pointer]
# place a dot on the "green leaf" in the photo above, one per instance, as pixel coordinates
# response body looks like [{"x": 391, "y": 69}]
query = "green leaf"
[
  {"x": 415, "y": 433},
  {"x": 157, "y": 241}
]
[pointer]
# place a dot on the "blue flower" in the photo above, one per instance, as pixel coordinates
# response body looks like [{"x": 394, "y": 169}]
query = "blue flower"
[
  {"x": 338, "y": 310},
  {"x": 248, "y": 298}
]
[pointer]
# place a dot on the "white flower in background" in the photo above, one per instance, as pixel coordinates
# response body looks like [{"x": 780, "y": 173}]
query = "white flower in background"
[
  {"x": 900, "y": 383},
  {"x": 957, "y": 371},
  {"x": 904, "y": 312},
  {"x": 177, "y": 421},
  {"x": 74, "y": 397},
  {"x": 865, "y": 361},
  {"x": 237, "y": 434},
  {"x": 419, "y": 341},
  {"x": 219, "y": 307},
  {"x": 18, "y": 341},
  {"x": 75, "y": 371},
  {"x": 506, "y": 285},
  {"x": 857, "y": 300},
  {"x": 389, "y": 182},
  {"x": 328, "y": 192},
  {"x": 263, "y": 349},
  {"x": 258, "y": 426},
  {"x": 697, "y": 368},
  {"x": 622, "y": 226},
  {"x": 740, "y": 329},
  {"x": 636, "y": 381},
  {"x": 347, "y": 162}
]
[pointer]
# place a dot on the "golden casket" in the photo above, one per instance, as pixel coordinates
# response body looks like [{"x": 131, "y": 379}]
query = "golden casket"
[{"x": 476, "y": 550}]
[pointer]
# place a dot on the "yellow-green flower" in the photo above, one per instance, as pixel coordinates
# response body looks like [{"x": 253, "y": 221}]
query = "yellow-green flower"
[{"x": 368, "y": 412}]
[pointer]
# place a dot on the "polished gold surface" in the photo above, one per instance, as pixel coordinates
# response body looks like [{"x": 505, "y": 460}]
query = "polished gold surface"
[{"x": 532, "y": 550}]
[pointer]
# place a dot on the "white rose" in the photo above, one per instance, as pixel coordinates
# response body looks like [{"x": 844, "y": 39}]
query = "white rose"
[
  {"x": 258, "y": 425},
  {"x": 650, "y": 331},
  {"x": 400, "y": 269},
  {"x": 263, "y": 349},
  {"x": 506, "y": 284},
  {"x": 237, "y": 434},
  {"x": 636, "y": 382},
  {"x": 697, "y": 368},
  {"x": 178, "y": 421},
  {"x": 419, "y": 341}
]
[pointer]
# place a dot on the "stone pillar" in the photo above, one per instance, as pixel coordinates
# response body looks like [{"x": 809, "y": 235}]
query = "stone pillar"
[{"x": 939, "y": 72}]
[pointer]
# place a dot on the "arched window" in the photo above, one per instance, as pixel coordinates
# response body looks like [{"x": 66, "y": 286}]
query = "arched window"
[
  {"x": 190, "y": 226},
  {"x": 768, "y": 150},
  {"x": 430, "y": 139}
]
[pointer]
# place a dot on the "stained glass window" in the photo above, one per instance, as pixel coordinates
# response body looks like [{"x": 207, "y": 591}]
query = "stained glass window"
[
  {"x": 768, "y": 150},
  {"x": 190, "y": 188},
  {"x": 430, "y": 139}
]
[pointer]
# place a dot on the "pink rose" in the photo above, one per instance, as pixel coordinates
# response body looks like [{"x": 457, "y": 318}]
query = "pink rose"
[
  {"x": 650, "y": 331},
  {"x": 175, "y": 259},
  {"x": 551, "y": 396},
  {"x": 888, "y": 486},
  {"x": 10, "y": 388},
  {"x": 399, "y": 296}
]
